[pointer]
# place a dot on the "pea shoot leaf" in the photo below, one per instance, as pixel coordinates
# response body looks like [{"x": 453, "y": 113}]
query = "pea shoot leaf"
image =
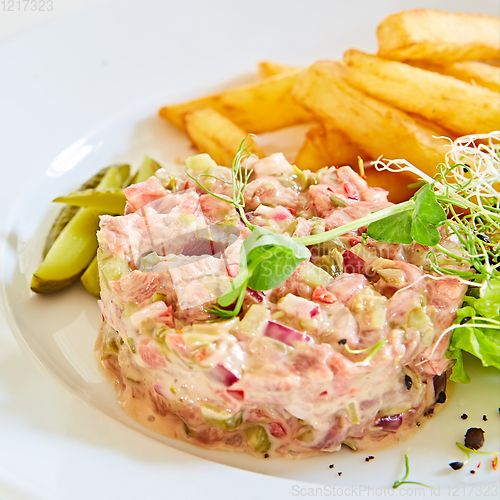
[
  {"x": 266, "y": 260},
  {"x": 393, "y": 229},
  {"x": 419, "y": 224}
]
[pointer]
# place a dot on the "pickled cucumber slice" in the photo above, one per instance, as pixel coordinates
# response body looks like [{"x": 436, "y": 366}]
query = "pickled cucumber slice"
[
  {"x": 109, "y": 201},
  {"x": 64, "y": 216},
  {"x": 76, "y": 245},
  {"x": 146, "y": 170},
  {"x": 67, "y": 213},
  {"x": 90, "y": 278}
]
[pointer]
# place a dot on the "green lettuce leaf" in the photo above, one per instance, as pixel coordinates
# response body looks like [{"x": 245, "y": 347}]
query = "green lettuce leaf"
[{"x": 480, "y": 341}]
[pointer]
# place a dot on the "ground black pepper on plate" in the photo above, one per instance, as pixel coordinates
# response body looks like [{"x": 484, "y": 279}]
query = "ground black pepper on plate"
[
  {"x": 485, "y": 418},
  {"x": 340, "y": 473},
  {"x": 456, "y": 465},
  {"x": 474, "y": 438},
  {"x": 464, "y": 416},
  {"x": 371, "y": 457},
  {"x": 331, "y": 466}
]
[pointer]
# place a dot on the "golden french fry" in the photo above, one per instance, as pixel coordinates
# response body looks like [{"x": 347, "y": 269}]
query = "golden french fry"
[
  {"x": 261, "y": 107},
  {"x": 395, "y": 182},
  {"x": 459, "y": 106},
  {"x": 266, "y": 69},
  {"x": 325, "y": 146},
  {"x": 477, "y": 73},
  {"x": 439, "y": 36},
  {"x": 329, "y": 147},
  {"x": 216, "y": 135},
  {"x": 378, "y": 128}
]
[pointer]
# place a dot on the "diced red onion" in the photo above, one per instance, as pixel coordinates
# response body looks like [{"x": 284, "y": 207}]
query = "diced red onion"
[
  {"x": 223, "y": 375},
  {"x": 285, "y": 334},
  {"x": 236, "y": 394},
  {"x": 390, "y": 422},
  {"x": 353, "y": 263},
  {"x": 160, "y": 390},
  {"x": 314, "y": 311},
  {"x": 258, "y": 296}
]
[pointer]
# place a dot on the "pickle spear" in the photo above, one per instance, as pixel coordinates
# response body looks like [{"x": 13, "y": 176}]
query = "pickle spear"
[
  {"x": 67, "y": 213},
  {"x": 76, "y": 245},
  {"x": 109, "y": 201},
  {"x": 90, "y": 278},
  {"x": 146, "y": 170}
]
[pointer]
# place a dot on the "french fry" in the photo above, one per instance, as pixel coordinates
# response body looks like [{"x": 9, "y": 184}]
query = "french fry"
[
  {"x": 459, "y": 106},
  {"x": 439, "y": 36},
  {"x": 329, "y": 147},
  {"x": 261, "y": 107},
  {"x": 396, "y": 183},
  {"x": 477, "y": 73},
  {"x": 266, "y": 69},
  {"x": 325, "y": 146},
  {"x": 216, "y": 135},
  {"x": 378, "y": 128}
]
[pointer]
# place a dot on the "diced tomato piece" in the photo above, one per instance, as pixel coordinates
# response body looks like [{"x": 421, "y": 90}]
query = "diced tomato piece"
[
  {"x": 321, "y": 295},
  {"x": 351, "y": 191}
]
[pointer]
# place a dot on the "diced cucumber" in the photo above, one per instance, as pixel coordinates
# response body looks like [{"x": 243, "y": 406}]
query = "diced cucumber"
[
  {"x": 255, "y": 320},
  {"x": 258, "y": 439},
  {"x": 307, "y": 436},
  {"x": 149, "y": 261},
  {"x": 220, "y": 419},
  {"x": 200, "y": 164},
  {"x": 352, "y": 410},
  {"x": 314, "y": 276},
  {"x": 110, "y": 345},
  {"x": 113, "y": 267}
]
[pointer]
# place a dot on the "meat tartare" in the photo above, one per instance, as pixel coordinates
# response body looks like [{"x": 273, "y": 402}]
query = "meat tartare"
[{"x": 348, "y": 350}]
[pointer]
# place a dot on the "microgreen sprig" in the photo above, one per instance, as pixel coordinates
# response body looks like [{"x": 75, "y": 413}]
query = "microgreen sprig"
[
  {"x": 398, "y": 483},
  {"x": 373, "y": 349},
  {"x": 468, "y": 451},
  {"x": 240, "y": 176}
]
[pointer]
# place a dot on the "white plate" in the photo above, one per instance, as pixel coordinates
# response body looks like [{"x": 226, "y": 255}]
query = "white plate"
[{"x": 81, "y": 92}]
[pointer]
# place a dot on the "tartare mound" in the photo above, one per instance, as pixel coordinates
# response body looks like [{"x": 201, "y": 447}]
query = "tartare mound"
[{"x": 348, "y": 350}]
